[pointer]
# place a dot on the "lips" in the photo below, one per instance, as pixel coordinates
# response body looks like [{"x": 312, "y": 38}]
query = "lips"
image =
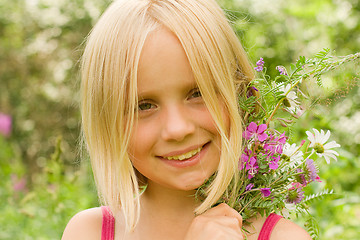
[
  {"x": 183, "y": 154},
  {"x": 185, "y": 158}
]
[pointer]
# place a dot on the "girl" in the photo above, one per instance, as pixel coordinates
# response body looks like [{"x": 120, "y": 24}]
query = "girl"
[{"x": 160, "y": 80}]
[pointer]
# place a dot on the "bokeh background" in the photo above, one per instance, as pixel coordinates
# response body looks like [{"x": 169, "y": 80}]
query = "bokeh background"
[{"x": 44, "y": 180}]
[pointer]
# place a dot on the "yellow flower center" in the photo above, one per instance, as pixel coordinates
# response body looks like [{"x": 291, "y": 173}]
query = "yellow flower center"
[
  {"x": 319, "y": 148},
  {"x": 285, "y": 158},
  {"x": 286, "y": 102}
]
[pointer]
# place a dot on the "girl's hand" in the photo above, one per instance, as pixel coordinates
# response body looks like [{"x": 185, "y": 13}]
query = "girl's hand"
[{"x": 221, "y": 222}]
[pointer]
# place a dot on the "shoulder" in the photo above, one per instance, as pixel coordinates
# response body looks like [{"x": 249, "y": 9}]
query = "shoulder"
[
  {"x": 285, "y": 229},
  {"x": 86, "y": 224}
]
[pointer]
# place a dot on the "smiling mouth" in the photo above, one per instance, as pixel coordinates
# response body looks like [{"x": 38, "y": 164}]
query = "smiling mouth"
[{"x": 185, "y": 156}]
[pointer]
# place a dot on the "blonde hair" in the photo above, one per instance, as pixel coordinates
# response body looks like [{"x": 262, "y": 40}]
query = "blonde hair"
[{"x": 109, "y": 86}]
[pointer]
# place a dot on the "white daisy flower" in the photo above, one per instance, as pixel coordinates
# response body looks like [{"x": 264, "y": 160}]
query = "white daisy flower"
[
  {"x": 291, "y": 154},
  {"x": 289, "y": 207},
  {"x": 317, "y": 142},
  {"x": 290, "y": 100}
]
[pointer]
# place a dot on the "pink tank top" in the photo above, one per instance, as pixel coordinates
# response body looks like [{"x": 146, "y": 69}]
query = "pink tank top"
[
  {"x": 108, "y": 225},
  {"x": 268, "y": 226}
]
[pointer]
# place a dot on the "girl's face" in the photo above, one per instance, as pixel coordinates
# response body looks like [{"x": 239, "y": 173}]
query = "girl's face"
[{"x": 174, "y": 143}]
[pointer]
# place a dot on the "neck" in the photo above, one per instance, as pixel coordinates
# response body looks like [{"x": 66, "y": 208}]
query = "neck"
[
  {"x": 168, "y": 201},
  {"x": 166, "y": 213}
]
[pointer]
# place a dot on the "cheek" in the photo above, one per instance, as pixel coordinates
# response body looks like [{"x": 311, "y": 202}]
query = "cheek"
[
  {"x": 138, "y": 152},
  {"x": 141, "y": 141},
  {"x": 224, "y": 120}
]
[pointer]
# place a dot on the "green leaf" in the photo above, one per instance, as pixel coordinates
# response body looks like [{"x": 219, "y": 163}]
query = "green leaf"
[
  {"x": 312, "y": 227},
  {"x": 293, "y": 67},
  {"x": 318, "y": 196},
  {"x": 322, "y": 54}
]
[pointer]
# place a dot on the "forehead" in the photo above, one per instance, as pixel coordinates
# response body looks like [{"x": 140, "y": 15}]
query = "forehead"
[{"x": 163, "y": 62}]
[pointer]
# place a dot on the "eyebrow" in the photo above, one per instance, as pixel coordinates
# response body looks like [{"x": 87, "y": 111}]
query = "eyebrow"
[{"x": 149, "y": 92}]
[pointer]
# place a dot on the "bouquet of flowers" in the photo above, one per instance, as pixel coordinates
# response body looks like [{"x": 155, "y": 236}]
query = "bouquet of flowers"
[{"x": 273, "y": 171}]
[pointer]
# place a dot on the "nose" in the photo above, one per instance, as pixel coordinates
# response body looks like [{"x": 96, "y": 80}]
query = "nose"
[{"x": 178, "y": 124}]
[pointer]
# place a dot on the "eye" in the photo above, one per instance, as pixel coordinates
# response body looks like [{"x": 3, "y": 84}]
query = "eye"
[
  {"x": 143, "y": 106},
  {"x": 195, "y": 93}
]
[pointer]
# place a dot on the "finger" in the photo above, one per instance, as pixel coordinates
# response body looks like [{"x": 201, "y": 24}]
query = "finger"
[
  {"x": 224, "y": 225},
  {"x": 225, "y": 210},
  {"x": 230, "y": 212},
  {"x": 231, "y": 226}
]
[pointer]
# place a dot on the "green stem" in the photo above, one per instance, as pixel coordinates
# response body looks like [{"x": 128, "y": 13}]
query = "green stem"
[
  {"x": 252, "y": 190},
  {"x": 289, "y": 172},
  {"x": 279, "y": 103},
  {"x": 273, "y": 113},
  {"x": 242, "y": 209}
]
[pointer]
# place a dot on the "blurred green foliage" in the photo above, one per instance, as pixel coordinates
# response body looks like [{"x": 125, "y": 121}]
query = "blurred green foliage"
[
  {"x": 42, "y": 209},
  {"x": 43, "y": 184}
]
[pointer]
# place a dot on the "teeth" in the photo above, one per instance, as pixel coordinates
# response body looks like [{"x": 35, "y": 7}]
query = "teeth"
[{"x": 185, "y": 156}]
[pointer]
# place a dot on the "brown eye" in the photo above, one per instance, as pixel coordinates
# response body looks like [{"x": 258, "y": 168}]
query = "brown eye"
[
  {"x": 145, "y": 106},
  {"x": 195, "y": 93}
]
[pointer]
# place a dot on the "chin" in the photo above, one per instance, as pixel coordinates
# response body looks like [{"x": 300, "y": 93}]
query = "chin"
[{"x": 195, "y": 182}]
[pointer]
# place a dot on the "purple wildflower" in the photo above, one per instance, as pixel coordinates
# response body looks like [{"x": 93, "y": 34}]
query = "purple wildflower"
[
  {"x": 242, "y": 161},
  {"x": 249, "y": 187},
  {"x": 260, "y": 65},
  {"x": 281, "y": 140},
  {"x": 256, "y": 132},
  {"x": 241, "y": 164},
  {"x": 301, "y": 177},
  {"x": 252, "y": 167},
  {"x": 5, "y": 124},
  {"x": 265, "y": 192},
  {"x": 260, "y": 62},
  {"x": 295, "y": 195},
  {"x": 275, "y": 145},
  {"x": 244, "y": 158},
  {"x": 250, "y": 91},
  {"x": 296, "y": 185},
  {"x": 259, "y": 68},
  {"x": 282, "y": 70},
  {"x": 274, "y": 164},
  {"x": 310, "y": 170}
]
